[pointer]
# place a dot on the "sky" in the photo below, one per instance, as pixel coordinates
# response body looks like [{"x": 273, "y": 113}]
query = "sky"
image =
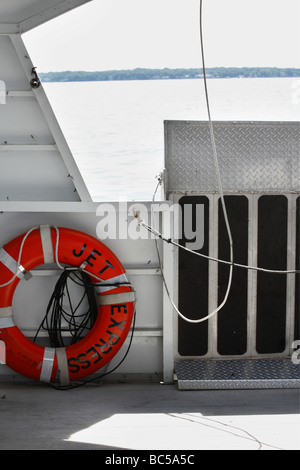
[{"x": 127, "y": 34}]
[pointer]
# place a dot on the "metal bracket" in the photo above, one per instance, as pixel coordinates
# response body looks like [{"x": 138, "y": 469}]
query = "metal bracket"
[{"x": 35, "y": 82}]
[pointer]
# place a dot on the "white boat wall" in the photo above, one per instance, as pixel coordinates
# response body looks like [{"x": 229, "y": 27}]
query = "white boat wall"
[{"x": 40, "y": 184}]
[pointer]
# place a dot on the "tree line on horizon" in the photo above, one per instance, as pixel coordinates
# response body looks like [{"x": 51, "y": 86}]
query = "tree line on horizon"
[{"x": 169, "y": 74}]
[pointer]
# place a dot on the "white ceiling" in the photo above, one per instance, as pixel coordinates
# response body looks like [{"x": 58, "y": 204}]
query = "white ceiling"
[{"x": 23, "y": 15}]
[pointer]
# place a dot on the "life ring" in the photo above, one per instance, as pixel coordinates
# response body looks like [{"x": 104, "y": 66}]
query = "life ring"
[{"x": 116, "y": 298}]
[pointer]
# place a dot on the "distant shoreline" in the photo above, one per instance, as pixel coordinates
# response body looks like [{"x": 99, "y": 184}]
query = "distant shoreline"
[{"x": 169, "y": 74}]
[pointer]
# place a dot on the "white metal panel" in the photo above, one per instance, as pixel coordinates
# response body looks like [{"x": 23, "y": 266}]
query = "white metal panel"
[
  {"x": 35, "y": 160},
  {"x": 138, "y": 256},
  {"x": 11, "y": 70},
  {"x": 35, "y": 175},
  {"x": 22, "y": 122}
]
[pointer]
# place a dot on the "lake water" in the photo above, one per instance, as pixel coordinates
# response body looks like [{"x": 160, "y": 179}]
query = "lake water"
[{"x": 115, "y": 129}]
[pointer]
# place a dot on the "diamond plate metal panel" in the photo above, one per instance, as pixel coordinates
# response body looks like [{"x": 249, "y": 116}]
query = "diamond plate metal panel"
[
  {"x": 237, "y": 374},
  {"x": 253, "y": 156}
]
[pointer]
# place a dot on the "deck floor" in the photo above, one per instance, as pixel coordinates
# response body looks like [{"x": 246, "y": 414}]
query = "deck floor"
[{"x": 146, "y": 416}]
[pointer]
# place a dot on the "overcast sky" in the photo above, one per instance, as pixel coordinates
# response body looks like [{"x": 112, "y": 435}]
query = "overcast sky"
[{"x": 125, "y": 34}]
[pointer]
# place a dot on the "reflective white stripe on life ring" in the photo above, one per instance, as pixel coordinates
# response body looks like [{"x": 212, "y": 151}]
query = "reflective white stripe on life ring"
[
  {"x": 45, "y": 231},
  {"x": 121, "y": 279},
  {"x": 113, "y": 299},
  {"x": 47, "y": 365},
  {"x": 6, "y": 312},
  {"x": 62, "y": 366},
  {"x": 6, "y": 322},
  {"x": 6, "y": 317},
  {"x": 11, "y": 264}
]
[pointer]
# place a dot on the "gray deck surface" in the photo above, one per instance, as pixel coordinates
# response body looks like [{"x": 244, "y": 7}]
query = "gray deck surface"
[{"x": 142, "y": 416}]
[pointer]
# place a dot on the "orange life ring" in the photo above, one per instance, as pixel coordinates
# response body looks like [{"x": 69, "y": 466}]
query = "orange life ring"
[{"x": 116, "y": 299}]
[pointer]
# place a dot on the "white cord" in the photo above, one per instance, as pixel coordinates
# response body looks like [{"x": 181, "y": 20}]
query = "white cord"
[
  {"x": 73, "y": 268},
  {"x": 169, "y": 240},
  {"x": 189, "y": 320},
  {"x": 214, "y": 150}
]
